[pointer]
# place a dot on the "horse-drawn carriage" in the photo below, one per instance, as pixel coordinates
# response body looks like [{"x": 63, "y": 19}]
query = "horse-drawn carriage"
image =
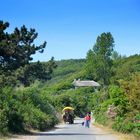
[{"x": 68, "y": 115}]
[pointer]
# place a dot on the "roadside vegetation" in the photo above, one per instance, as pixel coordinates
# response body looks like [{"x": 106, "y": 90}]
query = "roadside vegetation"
[
  {"x": 33, "y": 94},
  {"x": 22, "y": 105}
]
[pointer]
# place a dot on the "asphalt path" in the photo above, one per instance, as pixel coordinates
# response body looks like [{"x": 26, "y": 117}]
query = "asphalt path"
[{"x": 75, "y": 132}]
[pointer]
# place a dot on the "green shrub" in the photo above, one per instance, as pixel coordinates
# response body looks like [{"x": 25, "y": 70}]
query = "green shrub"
[
  {"x": 127, "y": 126},
  {"x": 123, "y": 125},
  {"x": 101, "y": 118},
  {"x": 25, "y": 108},
  {"x": 15, "y": 123},
  {"x": 118, "y": 123},
  {"x": 115, "y": 91},
  {"x": 3, "y": 122},
  {"x": 136, "y": 132}
]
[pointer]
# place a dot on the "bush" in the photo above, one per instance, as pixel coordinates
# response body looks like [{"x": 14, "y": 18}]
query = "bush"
[
  {"x": 124, "y": 125},
  {"x": 15, "y": 123},
  {"x": 25, "y": 108},
  {"x": 101, "y": 118},
  {"x": 127, "y": 126},
  {"x": 118, "y": 123},
  {"x": 115, "y": 91},
  {"x": 136, "y": 132},
  {"x": 3, "y": 122}
]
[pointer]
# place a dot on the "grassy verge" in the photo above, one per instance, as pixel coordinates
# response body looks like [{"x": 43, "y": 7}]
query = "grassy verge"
[
  {"x": 121, "y": 136},
  {"x": 128, "y": 137}
]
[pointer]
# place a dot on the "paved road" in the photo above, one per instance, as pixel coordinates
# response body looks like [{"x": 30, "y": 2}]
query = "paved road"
[{"x": 75, "y": 132}]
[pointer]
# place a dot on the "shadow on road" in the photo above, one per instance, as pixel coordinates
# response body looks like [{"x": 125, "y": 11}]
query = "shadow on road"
[{"x": 66, "y": 134}]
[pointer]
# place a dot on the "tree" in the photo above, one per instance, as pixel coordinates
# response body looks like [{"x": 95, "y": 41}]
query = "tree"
[
  {"x": 99, "y": 63},
  {"x": 116, "y": 56},
  {"x": 17, "y": 48},
  {"x": 90, "y": 64},
  {"x": 35, "y": 71}
]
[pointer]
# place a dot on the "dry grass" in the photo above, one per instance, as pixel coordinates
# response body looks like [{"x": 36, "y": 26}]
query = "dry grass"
[
  {"x": 19, "y": 137},
  {"x": 128, "y": 137},
  {"x": 121, "y": 136}
]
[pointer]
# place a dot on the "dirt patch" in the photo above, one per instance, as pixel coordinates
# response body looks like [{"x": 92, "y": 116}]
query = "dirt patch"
[{"x": 23, "y": 137}]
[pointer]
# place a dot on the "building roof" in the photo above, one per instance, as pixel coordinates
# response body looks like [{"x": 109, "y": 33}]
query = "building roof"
[{"x": 85, "y": 83}]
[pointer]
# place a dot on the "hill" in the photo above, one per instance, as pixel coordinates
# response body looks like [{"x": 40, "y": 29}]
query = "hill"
[{"x": 67, "y": 69}]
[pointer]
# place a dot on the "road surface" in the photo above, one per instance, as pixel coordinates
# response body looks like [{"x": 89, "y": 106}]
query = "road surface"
[{"x": 75, "y": 132}]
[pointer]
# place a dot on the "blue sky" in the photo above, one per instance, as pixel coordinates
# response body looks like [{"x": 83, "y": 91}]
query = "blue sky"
[{"x": 71, "y": 27}]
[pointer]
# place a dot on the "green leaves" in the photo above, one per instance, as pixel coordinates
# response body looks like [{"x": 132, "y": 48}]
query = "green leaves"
[
  {"x": 28, "y": 74},
  {"x": 25, "y": 108},
  {"x": 104, "y": 44},
  {"x": 99, "y": 59},
  {"x": 16, "y": 48},
  {"x": 132, "y": 90}
]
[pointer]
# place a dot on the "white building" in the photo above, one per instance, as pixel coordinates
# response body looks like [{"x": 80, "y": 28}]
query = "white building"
[{"x": 86, "y": 83}]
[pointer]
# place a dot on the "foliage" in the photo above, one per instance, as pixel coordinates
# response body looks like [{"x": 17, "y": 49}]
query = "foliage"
[
  {"x": 68, "y": 69},
  {"x": 132, "y": 90},
  {"x": 122, "y": 77},
  {"x": 16, "y": 48},
  {"x": 125, "y": 98},
  {"x": 99, "y": 60},
  {"x": 35, "y": 71},
  {"x": 77, "y": 98},
  {"x": 124, "y": 67},
  {"x": 3, "y": 122},
  {"x": 25, "y": 108},
  {"x": 49, "y": 89},
  {"x": 90, "y": 62},
  {"x": 123, "y": 94}
]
